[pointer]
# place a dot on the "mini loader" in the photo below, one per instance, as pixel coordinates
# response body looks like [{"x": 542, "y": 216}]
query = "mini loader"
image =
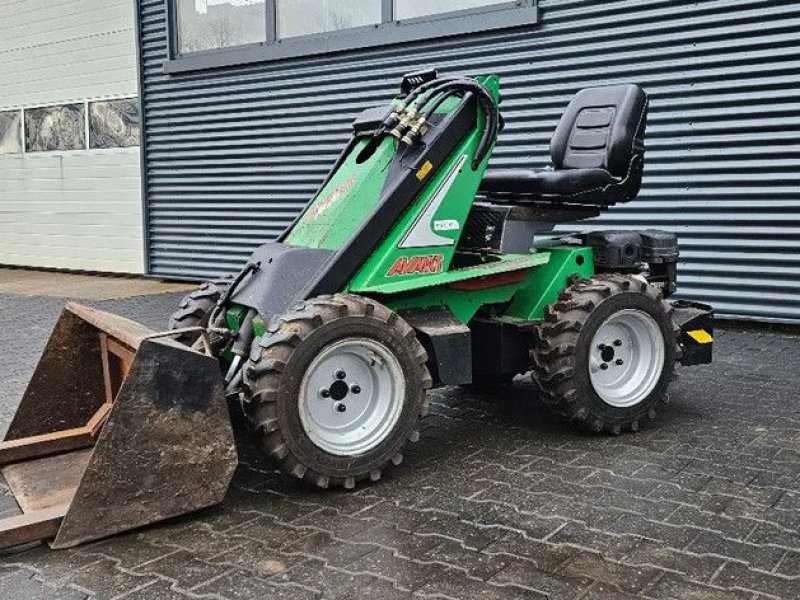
[{"x": 411, "y": 267}]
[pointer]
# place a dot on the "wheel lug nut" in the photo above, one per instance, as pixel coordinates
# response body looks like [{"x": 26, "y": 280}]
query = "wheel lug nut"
[
  {"x": 355, "y": 388},
  {"x": 340, "y": 374},
  {"x": 340, "y": 407},
  {"x": 620, "y": 362},
  {"x": 604, "y": 366},
  {"x": 325, "y": 393},
  {"x": 618, "y": 343}
]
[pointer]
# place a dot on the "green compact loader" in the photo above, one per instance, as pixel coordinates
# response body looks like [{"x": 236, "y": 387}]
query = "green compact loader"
[{"x": 411, "y": 267}]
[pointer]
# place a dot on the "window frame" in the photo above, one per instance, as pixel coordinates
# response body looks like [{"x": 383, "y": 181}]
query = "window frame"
[{"x": 506, "y": 15}]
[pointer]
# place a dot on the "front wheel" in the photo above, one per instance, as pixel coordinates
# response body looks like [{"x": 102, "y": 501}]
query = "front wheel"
[
  {"x": 605, "y": 354},
  {"x": 336, "y": 388}
]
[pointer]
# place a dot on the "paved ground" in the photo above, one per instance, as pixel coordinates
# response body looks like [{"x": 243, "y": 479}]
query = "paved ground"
[
  {"x": 27, "y": 282},
  {"x": 499, "y": 499}
]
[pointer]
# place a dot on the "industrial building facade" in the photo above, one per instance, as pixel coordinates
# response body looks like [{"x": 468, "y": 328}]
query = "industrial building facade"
[
  {"x": 70, "y": 194},
  {"x": 246, "y": 103}
]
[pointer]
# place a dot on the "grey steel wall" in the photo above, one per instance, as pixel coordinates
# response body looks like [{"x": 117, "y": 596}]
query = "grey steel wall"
[{"x": 232, "y": 155}]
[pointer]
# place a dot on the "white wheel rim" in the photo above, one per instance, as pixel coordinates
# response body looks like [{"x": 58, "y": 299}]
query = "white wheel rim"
[
  {"x": 626, "y": 358},
  {"x": 351, "y": 396}
]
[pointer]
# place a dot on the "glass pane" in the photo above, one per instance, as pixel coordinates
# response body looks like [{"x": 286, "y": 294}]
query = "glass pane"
[
  {"x": 408, "y": 9},
  {"x": 10, "y": 132},
  {"x": 55, "y": 128},
  {"x": 210, "y": 24},
  {"x": 114, "y": 124},
  {"x": 304, "y": 17}
]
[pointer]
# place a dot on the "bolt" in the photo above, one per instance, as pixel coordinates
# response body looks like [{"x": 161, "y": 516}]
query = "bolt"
[
  {"x": 355, "y": 388},
  {"x": 325, "y": 393},
  {"x": 604, "y": 366},
  {"x": 620, "y": 362},
  {"x": 340, "y": 407},
  {"x": 618, "y": 343},
  {"x": 340, "y": 374}
]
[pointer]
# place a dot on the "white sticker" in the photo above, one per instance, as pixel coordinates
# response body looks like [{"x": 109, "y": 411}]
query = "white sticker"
[{"x": 446, "y": 225}]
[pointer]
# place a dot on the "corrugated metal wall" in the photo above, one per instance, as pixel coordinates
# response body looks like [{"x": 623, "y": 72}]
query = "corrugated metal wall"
[{"x": 233, "y": 154}]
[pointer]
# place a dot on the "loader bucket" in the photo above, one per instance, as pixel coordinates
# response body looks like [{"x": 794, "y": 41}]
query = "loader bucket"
[{"x": 117, "y": 429}]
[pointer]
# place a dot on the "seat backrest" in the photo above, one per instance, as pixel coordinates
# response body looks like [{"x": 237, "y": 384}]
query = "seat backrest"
[{"x": 603, "y": 127}]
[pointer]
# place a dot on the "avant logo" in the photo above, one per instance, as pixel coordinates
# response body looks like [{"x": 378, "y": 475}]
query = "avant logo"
[
  {"x": 320, "y": 207},
  {"x": 417, "y": 265}
]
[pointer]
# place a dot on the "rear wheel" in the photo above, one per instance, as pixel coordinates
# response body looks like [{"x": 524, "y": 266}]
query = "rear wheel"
[
  {"x": 605, "y": 354},
  {"x": 195, "y": 309},
  {"x": 336, "y": 388}
]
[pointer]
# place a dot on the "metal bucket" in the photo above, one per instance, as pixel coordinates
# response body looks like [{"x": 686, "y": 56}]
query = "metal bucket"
[{"x": 119, "y": 427}]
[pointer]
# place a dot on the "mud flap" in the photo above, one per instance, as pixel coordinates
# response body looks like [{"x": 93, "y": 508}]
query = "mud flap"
[
  {"x": 117, "y": 429},
  {"x": 696, "y": 338}
]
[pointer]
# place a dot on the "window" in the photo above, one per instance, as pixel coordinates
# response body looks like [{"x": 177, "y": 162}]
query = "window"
[
  {"x": 10, "y": 132},
  {"x": 304, "y": 17},
  {"x": 114, "y": 123},
  {"x": 215, "y": 33},
  {"x": 55, "y": 128},
  {"x": 411, "y": 9},
  {"x": 214, "y": 24}
]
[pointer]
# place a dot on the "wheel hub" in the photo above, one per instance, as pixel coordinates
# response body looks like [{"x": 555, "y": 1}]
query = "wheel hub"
[
  {"x": 627, "y": 358},
  {"x": 351, "y": 396}
]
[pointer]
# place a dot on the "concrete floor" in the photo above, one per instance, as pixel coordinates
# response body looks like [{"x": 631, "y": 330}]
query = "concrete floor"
[
  {"x": 25, "y": 282},
  {"x": 499, "y": 499}
]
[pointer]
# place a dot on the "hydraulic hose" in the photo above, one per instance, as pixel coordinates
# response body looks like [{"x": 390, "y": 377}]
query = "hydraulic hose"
[{"x": 486, "y": 103}]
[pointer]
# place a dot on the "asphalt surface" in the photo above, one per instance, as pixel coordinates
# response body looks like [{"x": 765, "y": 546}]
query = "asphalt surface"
[{"x": 499, "y": 499}]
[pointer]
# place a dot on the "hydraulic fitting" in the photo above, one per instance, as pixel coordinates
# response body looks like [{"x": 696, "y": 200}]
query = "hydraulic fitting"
[
  {"x": 401, "y": 127},
  {"x": 416, "y": 131}
]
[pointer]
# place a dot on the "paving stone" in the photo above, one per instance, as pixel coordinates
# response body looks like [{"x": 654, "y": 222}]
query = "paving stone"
[
  {"x": 453, "y": 584},
  {"x": 23, "y": 584},
  {"x": 694, "y": 567},
  {"x": 469, "y": 535},
  {"x": 337, "y": 584},
  {"x": 709, "y": 494},
  {"x": 735, "y": 575},
  {"x": 185, "y": 570},
  {"x": 759, "y": 557},
  {"x": 523, "y": 575},
  {"x": 673, "y": 586},
  {"x": 336, "y": 553},
  {"x": 607, "y": 544},
  {"x": 543, "y": 555},
  {"x": 624, "y": 577},
  {"x": 477, "y": 564},
  {"x": 404, "y": 573},
  {"x": 104, "y": 580},
  {"x": 240, "y": 586}
]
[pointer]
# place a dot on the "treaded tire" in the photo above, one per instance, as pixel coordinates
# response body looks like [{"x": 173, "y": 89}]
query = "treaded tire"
[
  {"x": 279, "y": 361},
  {"x": 563, "y": 342},
  {"x": 195, "y": 309}
]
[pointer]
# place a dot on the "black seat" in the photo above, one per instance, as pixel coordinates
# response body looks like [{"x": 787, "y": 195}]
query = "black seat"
[{"x": 597, "y": 152}]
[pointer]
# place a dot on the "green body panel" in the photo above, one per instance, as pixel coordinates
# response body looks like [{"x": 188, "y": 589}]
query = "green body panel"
[
  {"x": 452, "y": 210},
  {"x": 347, "y": 199},
  {"x": 546, "y": 282}
]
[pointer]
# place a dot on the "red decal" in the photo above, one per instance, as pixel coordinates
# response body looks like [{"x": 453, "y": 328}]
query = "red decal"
[
  {"x": 324, "y": 204},
  {"x": 417, "y": 264}
]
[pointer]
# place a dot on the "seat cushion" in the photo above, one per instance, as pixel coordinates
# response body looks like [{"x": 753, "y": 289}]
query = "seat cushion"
[{"x": 563, "y": 185}]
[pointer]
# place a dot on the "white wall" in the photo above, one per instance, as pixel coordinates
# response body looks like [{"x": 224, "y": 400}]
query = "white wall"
[{"x": 78, "y": 209}]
